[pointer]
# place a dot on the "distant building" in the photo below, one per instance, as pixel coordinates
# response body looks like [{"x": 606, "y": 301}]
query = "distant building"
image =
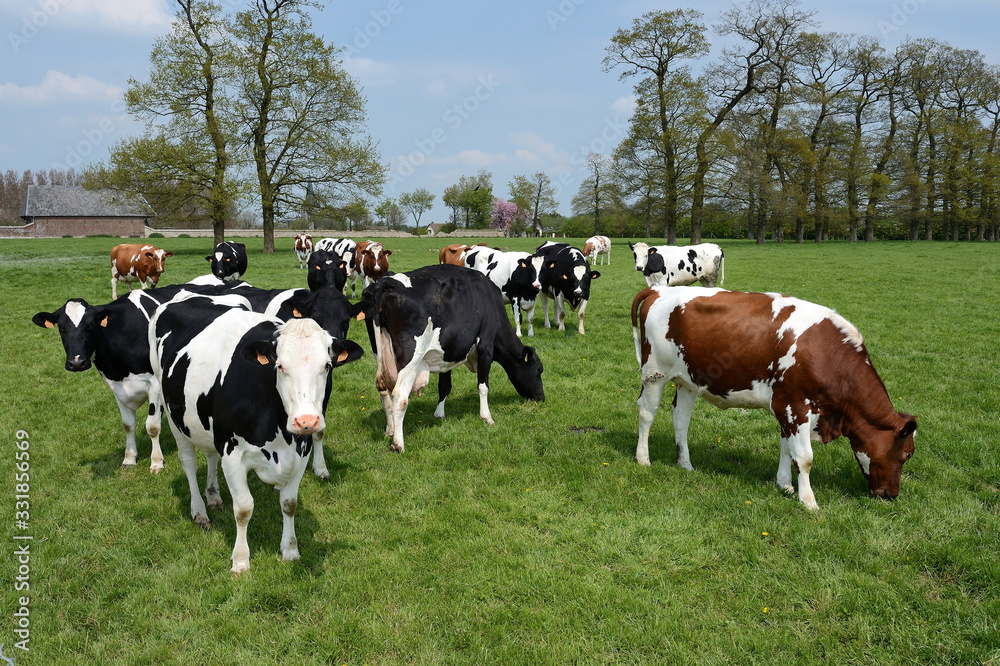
[
  {"x": 53, "y": 211},
  {"x": 433, "y": 228}
]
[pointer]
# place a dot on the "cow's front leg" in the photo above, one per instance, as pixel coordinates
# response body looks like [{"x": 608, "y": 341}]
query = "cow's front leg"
[
  {"x": 288, "y": 496},
  {"x": 444, "y": 388},
  {"x": 319, "y": 460},
  {"x": 236, "y": 479},
  {"x": 212, "y": 495},
  {"x": 545, "y": 309},
  {"x": 559, "y": 307},
  {"x": 129, "y": 421},
  {"x": 484, "y": 360},
  {"x": 579, "y": 313},
  {"x": 800, "y": 451},
  {"x": 153, "y": 425}
]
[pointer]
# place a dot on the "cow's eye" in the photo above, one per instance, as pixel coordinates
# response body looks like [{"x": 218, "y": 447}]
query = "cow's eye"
[
  {"x": 279, "y": 367},
  {"x": 329, "y": 366}
]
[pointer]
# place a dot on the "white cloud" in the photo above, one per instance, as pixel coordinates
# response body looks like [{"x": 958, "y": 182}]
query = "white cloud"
[
  {"x": 371, "y": 73},
  {"x": 624, "y": 106},
  {"x": 148, "y": 16},
  {"x": 59, "y": 88},
  {"x": 542, "y": 150}
]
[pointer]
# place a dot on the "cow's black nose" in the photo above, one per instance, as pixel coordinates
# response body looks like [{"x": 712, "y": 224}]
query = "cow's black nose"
[{"x": 76, "y": 364}]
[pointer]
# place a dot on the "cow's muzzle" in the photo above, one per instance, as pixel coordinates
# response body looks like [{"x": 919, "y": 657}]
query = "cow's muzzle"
[
  {"x": 77, "y": 364},
  {"x": 306, "y": 425}
]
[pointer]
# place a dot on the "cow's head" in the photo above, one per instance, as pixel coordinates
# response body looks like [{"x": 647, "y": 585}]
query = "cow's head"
[
  {"x": 156, "y": 258},
  {"x": 573, "y": 281},
  {"x": 640, "y": 251},
  {"x": 525, "y": 278},
  {"x": 327, "y": 306},
  {"x": 375, "y": 260},
  {"x": 881, "y": 451},
  {"x": 77, "y": 322},
  {"x": 655, "y": 267},
  {"x": 326, "y": 268},
  {"x": 302, "y": 354},
  {"x": 228, "y": 261},
  {"x": 526, "y": 375}
]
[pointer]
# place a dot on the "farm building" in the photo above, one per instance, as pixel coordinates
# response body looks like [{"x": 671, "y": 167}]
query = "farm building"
[{"x": 53, "y": 211}]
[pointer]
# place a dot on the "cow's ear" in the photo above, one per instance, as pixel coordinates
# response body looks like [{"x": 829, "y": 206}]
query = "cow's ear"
[
  {"x": 652, "y": 250},
  {"x": 530, "y": 354},
  {"x": 300, "y": 307},
  {"x": 907, "y": 428},
  {"x": 208, "y": 258},
  {"x": 102, "y": 316},
  {"x": 362, "y": 310},
  {"x": 387, "y": 252},
  {"x": 594, "y": 275},
  {"x": 169, "y": 254},
  {"x": 263, "y": 352},
  {"x": 345, "y": 351},
  {"x": 45, "y": 319},
  {"x": 343, "y": 265},
  {"x": 552, "y": 265}
]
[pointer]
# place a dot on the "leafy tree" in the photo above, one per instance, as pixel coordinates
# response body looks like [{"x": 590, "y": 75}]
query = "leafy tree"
[
  {"x": 303, "y": 115},
  {"x": 598, "y": 192},
  {"x": 508, "y": 217},
  {"x": 536, "y": 195},
  {"x": 391, "y": 214},
  {"x": 183, "y": 161},
  {"x": 471, "y": 200},
  {"x": 651, "y": 47},
  {"x": 416, "y": 203}
]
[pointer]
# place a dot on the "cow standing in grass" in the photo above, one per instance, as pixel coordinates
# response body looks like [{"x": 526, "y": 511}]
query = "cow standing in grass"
[
  {"x": 229, "y": 261},
  {"x": 435, "y": 319},
  {"x": 674, "y": 266},
  {"x": 803, "y": 362},
  {"x": 136, "y": 263},
  {"x": 597, "y": 246},
  {"x": 565, "y": 277},
  {"x": 247, "y": 389}
]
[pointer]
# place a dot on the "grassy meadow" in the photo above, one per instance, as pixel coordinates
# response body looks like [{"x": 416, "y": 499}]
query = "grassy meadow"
[{"x": 538, "y": 540}]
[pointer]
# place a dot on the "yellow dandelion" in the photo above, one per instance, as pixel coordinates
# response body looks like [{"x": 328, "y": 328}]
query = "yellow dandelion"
[
  {"x": 749, "y": 502},
  {"x": 605, "y": 464},
  {"x": 765, "y": 609},
  {"x": 763, "y": 533}
]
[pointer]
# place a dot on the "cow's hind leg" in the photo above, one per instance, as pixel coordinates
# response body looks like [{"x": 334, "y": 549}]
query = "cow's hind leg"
[
  {"x": 129, "y": 421},
  {"x": 649, "y": 402},
  {"x": 189, "y": 463},
  {"x": 236, "y": 479},
  {"x": 212, "y": 496},
  {"x": 683, "y": 405},
  {"x": 484, "y": 360}
]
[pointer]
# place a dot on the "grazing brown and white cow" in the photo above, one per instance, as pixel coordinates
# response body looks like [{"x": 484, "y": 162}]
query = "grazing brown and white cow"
[
  {"x": 303, "y": 248},
  {"x": 372, "y": 260},
  {"x": 136, "y": 263},
  {"x": 803, "y": 362},
  {"x": 454, "y": 254},
  {"x": 597, "y": 246}
]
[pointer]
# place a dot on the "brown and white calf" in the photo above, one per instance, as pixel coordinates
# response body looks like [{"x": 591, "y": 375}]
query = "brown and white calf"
[
  {"x": 372, "y": 261},
  {"x": 136, "y": 263},
  {"x": 303, "y": 248},
  {"x": 803, "y": 362},
  {"x": 597, "y": 246}
]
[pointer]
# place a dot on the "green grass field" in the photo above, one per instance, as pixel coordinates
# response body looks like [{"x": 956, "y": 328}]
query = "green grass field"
[{"x": 538, "y": 540}]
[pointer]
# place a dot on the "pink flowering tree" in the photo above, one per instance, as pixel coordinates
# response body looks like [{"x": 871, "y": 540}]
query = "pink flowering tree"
[{"x": 507, "y": 217}]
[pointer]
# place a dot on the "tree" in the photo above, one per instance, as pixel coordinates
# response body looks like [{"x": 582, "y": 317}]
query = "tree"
[
  {"x": 303, "y": 115},
  {"x": 597, "y": 192},
  {"x": 471, "y": 200},
  {"x": 416, "y": 203},
  {"x": 183, "y": 160},
  {"x": 536, "y": 195},
  {"x": 652, "y": 46},
  {"x": 507, "y": 217},
  {"x": 391, "y": 214}
]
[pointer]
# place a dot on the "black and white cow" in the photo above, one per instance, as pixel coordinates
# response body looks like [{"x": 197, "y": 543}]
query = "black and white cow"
[
  {"x": 326, "y": 268},
  {"x": 249, "y": 389},
  {"x": 673, "y": 266},
  {"x": 344, "y": 248},
  {"x": 565, "y": 277},
  {"x": 229, "y": 261},
  {"x": 515, "y": 274},
  {"x": 434, "y": 319},
  {"x": 114, "y": 337}
]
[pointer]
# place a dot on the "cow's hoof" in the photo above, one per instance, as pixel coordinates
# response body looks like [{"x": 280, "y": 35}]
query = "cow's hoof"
[
  {"x": 156, "y": 468},
  {"x": 322, "y": 474},
  {"x": 239, "y": 567},
  {"x": 643, "y": 461},
  {"x": 290, "y": 555},
  {"x": 127, "y": 463},
  {"x": 396, "y": 448},
  {"x": 203, "y": 522}
]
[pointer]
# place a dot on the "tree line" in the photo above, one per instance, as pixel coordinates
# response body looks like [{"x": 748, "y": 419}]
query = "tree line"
[
  {"x": 792, "y": 131},
  {"x": 14, "y": 188}
]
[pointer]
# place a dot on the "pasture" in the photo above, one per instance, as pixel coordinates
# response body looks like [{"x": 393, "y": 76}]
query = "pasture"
[{"x": 538, "y": 540}]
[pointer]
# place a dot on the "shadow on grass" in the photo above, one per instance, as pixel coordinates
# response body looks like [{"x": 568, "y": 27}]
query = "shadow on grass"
[
  {"x": 109, "y": 464},
  {"x": 835, "y": 471},
  {"x": 265, "y": 526}
]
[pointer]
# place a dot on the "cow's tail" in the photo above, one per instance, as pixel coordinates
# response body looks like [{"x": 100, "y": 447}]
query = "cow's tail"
[
  {"x": 643, "y": 299},
  {"x": 386, "y": 371},
  {"x": 722, "y": 267}
]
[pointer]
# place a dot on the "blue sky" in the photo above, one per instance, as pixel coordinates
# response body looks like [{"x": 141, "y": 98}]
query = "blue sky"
[{"x": 452, "y": 87}]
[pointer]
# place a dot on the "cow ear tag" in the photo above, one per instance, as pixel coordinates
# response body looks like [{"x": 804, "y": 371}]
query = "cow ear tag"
[
  {"x": 552, "y": 265},
  {"x": 49, "y": 324},
  {"x": 342, "y": 357},
  {"x": 104, "y": 322},
  {"x": 360, "y": 317},
  {"x": 262, "y": 359},
  {"x": 296, "y": 313}
]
